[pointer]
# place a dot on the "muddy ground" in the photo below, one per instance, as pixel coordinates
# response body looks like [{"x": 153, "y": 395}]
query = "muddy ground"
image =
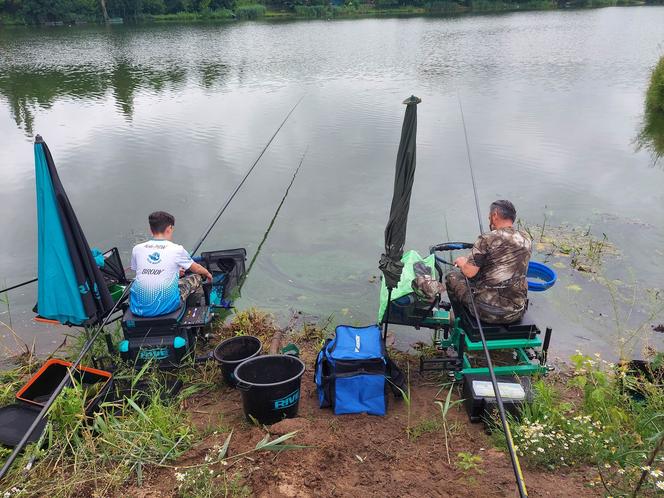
[{"x": 359, "y": 455}]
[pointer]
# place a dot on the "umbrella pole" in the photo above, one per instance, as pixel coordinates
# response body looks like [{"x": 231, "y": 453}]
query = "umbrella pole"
[
  {"x": 109, "y": 342},
  {"x": 387, "y": 314}
]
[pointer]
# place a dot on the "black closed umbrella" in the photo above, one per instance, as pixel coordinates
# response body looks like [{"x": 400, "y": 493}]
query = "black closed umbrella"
[{"x": 395, "y": 231}]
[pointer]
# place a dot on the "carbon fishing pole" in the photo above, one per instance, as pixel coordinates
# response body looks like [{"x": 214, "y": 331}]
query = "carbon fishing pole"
[
  {"x": 237, "y": 189},
  {"x": 221, "y": 211},
  {"x": 470, "y": 166},
  {"x": 274, "y": 218},
  {"x": 516, "y": 466},
  {"x": 64, "y": 383},
  {"x": 18, "y": 285}
]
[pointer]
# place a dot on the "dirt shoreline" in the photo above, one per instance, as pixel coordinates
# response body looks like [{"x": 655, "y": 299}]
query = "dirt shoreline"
[{"x": 357, "y": 455}]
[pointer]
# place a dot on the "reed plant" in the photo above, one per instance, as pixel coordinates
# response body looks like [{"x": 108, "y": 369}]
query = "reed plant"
[{"x": 250, "y": 12}]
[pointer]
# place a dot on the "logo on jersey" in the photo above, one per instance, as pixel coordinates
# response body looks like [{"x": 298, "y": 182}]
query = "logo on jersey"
[{"x": 154, "y": 258}]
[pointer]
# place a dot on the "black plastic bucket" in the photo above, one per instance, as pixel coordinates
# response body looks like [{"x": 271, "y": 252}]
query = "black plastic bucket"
[
  {"x": 270, "y": 387},
  {"x": 234, "y": 351}
]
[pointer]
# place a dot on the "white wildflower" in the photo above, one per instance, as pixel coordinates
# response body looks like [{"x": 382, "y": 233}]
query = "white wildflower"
[
  {"x": 660, "y": 485},
  {"x": 656, "y": 473},
  {"x": 646, "y": 468},
  {"x": 179, "y": 476},
  {"x": 541, "y": 450},
  {"x": 607, "y": 465}
]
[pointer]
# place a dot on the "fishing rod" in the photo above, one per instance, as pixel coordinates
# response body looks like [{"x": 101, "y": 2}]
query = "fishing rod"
[
  {"x": 470, "y": 166},
  {"x": 274, "y": 218},
  {"x": 516, "y": 466},
  {"x": 18, "y": 285},
  {"x": 237, "y": 189},
  {"x": 88, "y": 345},
  {"x": 64, "y": 383},
  {"x": 221, "y": 211}
]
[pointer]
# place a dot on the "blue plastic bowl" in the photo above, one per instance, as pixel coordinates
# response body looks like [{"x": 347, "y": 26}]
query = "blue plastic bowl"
[{"x": 540, "y": 277}]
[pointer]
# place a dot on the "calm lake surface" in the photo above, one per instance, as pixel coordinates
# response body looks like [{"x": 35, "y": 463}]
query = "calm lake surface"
[{"x": 171, "y": 116}]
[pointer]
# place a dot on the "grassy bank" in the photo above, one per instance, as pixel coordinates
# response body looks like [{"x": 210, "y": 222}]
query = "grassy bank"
[{"x": 593, "y": 424}]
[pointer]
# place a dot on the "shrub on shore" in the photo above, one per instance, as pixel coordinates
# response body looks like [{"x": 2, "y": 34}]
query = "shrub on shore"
[
  {"x": 655, "y": 94},
  {"x": 254, "y": 11},
  {"x": 652, "y": 133}
]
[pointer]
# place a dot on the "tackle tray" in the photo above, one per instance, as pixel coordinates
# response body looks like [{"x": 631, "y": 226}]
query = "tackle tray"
[
  {"x": 480, "y": 401},
  {"x": 16, "y": 419}
]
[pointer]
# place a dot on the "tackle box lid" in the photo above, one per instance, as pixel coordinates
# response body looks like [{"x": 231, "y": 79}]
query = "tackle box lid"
[
  {"x": 357, "y": 343},
  {"x": 511, "y": 390},
  {"x": 15, "y": 420}
]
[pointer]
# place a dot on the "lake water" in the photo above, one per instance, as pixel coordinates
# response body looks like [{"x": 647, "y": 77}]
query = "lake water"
[{"x": 171, "y": 116}]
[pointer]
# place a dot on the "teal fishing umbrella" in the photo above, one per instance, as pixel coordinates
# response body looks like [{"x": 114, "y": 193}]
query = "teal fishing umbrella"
[
  {"x": 72, "y": 289},
  {"x": 395, "y": 231}
]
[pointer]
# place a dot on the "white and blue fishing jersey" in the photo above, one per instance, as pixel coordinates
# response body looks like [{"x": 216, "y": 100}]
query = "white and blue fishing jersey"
[{"x": 157, "y": 264}]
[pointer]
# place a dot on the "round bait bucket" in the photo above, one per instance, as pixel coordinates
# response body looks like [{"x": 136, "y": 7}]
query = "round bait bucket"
[
  {"x": 540, "y": 277},
  {"x": 234, "y": 351},
  {"x": 270, "y": 387}
]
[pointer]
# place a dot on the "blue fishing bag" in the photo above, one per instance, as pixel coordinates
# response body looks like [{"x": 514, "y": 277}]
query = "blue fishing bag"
[{"x": 352, "y": 371}]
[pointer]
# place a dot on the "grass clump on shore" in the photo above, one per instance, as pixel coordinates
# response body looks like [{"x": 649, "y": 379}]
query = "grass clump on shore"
[
  {"x": 209, "y": 15},
  {"x": 95, "y": 455}
]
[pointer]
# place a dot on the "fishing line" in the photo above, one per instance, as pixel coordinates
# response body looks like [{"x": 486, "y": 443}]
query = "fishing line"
[
  {"x": 237, "y": 189},
  {"x": 65, "y": 381},
  {"x": 221, "y": 211},
  {"x": 516, "y": 466},
  {"x": 272, "y": 221},
  {"x": 470, "y": 166}
]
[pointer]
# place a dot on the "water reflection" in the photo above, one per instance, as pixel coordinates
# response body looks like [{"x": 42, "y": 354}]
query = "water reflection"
[{"x": 29, "y": 89}]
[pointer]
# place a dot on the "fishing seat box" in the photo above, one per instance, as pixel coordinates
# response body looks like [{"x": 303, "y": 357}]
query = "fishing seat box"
[
  {"x": 524, "y": 328},
  {"x": 351, "y": 371},
  {"x": 166, "y": 350},
  {"x": 480, "y": 401},
  {"x": 15, "y": 419},
  {"x": 165, "y": 339},
  {"x": 143, "y": 326}
]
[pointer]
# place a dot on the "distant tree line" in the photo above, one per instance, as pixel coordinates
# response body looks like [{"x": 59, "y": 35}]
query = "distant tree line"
[
  {"x": 67, "y": 11},
  {"x": 40, "y": 11}
]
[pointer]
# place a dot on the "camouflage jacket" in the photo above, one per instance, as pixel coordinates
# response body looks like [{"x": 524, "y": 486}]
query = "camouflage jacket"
[{"x": 500, "y": 287}]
